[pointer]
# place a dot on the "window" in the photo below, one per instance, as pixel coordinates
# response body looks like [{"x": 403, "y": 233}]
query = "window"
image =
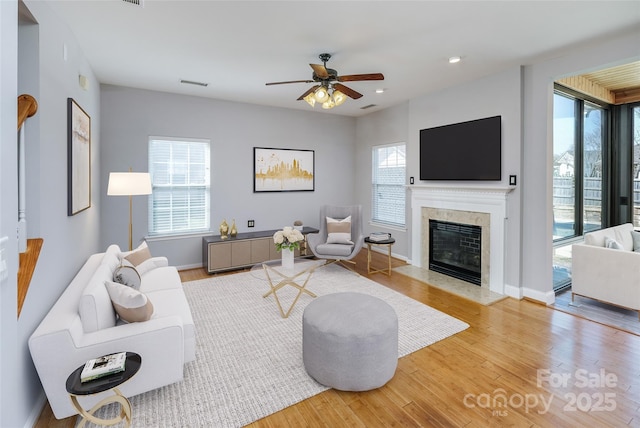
[
  {"x": 388, "y": 180},
  {"x": 180, "y": 179}
]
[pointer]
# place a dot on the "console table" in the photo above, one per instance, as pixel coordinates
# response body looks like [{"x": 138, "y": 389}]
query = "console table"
[{"x": 245, "y": 250}]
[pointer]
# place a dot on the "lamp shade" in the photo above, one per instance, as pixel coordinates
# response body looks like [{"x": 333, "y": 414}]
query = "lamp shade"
[{"x": 129, "y": 183}]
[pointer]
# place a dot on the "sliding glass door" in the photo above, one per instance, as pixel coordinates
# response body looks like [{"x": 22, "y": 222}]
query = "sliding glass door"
[
  {"x": 579, "y": 164},
  {"x": 635, "y": 135}
]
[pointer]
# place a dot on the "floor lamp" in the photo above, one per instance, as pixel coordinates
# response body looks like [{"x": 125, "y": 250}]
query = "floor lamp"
[{"x": 129, "y": 184}]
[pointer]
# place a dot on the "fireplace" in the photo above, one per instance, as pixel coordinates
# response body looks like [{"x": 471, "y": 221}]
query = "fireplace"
[
  {"x": 455, "y": 250},
  {"x": 481, "y": 206}
]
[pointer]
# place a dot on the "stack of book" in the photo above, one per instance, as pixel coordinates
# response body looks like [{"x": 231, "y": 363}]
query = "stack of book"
[
  {"x": 103, "y": 366},
  {"x": 379, "y": 236}
]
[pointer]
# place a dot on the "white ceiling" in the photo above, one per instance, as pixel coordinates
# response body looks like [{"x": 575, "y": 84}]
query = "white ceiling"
[{"x": 238, "y": 46}]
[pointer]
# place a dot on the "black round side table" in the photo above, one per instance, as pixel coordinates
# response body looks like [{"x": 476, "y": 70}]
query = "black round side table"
[
  {"x": 76, "y": 388},
  {"x": 388, "y": 242}
]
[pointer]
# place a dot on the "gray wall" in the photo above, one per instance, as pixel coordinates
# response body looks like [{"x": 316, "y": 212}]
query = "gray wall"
[
  {"x": 43, "y": 72},
  {"x": 130, "y": 116},
  {"x": 497, "y": 94},
  {"x": 537, "y": 154},
  {"x": 384, "y": 127}
]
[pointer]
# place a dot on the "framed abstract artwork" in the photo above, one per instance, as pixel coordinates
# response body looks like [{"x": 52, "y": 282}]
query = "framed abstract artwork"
[
  {"x": 78, "y": 158},
  {"x": 283, "y": 170}
]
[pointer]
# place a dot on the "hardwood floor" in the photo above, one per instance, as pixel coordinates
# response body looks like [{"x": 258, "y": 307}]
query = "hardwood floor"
[{"x": 519, "y": 364}]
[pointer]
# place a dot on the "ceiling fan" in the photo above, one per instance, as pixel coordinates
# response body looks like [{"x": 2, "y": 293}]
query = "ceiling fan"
[{"x": 329, "y": 92}]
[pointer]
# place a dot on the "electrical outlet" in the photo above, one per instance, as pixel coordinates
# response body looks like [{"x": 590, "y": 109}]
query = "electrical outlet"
[
  {"x": 512, "y": 180},
  {"x": 251, "y": 223},
  {"x": 411, "y": 180}
]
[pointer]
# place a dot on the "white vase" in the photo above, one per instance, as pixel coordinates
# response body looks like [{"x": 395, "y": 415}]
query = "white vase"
[{"x": 287, "y": 258}]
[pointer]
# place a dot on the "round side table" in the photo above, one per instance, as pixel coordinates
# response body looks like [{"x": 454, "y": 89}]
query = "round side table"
[
  {"x": 388, "y": 242},
  {"x": 76, "y": 388}
]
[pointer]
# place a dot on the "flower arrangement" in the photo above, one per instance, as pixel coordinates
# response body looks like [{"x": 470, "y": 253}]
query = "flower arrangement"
[{"x": 288, "y": 238}]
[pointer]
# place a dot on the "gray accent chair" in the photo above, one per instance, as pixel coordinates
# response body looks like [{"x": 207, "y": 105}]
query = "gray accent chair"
[{"x": 341, "y": 253}]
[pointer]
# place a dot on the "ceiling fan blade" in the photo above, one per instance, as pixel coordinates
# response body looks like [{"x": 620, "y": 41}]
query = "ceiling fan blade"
[
  {"x": 289, "y": 81},
  {"x": 356, "y": 77},
  {"x": 313, "y": 88},
  {"x": 347, "y": 91},
  {"x": 320, "y": 70}
]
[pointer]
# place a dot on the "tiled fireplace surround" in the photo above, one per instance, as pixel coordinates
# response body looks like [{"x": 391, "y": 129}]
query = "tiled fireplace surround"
[{"x": 481, "y": 206}]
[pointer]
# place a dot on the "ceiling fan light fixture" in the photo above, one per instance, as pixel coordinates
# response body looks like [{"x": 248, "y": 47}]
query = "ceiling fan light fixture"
[
  {"x": 321, "y": 94},
  {"x": 310, "y": 99},
  {"x": 329, "y": 104},
  {"x": 338, "y": 97}
]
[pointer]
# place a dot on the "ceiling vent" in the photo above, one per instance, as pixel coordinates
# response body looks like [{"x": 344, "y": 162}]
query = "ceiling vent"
[
  {"x": 135, "y": 2},
  {"x": 368, "y": 106},
  {"x": 192, "y": 82}
]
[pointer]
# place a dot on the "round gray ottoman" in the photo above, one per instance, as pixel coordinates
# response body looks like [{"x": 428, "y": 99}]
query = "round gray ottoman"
[{"x": 350, "y": 341}]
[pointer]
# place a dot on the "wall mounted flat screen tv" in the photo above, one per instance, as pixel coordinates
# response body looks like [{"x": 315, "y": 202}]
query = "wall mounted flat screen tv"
[{"x": 462, "y": 151}]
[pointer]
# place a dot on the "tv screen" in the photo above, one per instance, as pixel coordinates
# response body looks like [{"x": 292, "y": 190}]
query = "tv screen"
[{"x": 462, "y": 151}]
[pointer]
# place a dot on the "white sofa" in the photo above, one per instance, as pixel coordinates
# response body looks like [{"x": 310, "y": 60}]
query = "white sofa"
[
  {"x": 607, "y": 274},
  {"x": 83, "y": 324}
]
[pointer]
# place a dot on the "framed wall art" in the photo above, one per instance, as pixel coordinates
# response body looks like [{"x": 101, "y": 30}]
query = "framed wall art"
[
  {"x": 78, "y": 158},
  {"x": 283, "y": 170}
]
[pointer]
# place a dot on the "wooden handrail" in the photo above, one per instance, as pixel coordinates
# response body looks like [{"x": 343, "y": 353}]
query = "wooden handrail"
[
  {"x": 28, "y": 261},
  {"x": 27, "y": 107}
]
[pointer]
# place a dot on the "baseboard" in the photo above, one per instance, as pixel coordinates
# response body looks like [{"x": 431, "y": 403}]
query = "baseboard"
[
  {"x": 513, "y": 291},
  {"x": 192, "y": 266},
  {"x": 36, "y": 410},
  {"x": 544, "y": 297}
]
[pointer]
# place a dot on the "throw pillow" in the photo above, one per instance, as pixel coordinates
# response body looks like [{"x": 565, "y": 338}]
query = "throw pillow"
[
  {"x": 127, "y": 275},
  {"x": 139, "y": 255},
  {"x": 339, "y": 231},
  {"x": 131, "y": 305},
  {"x": 612, "y": 243},
  {"x": 636, "y": 240}
]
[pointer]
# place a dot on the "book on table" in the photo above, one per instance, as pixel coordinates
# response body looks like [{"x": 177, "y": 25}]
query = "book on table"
[
  {"x": 379, "y": 236},
  {"x": 103, "y": 366}
]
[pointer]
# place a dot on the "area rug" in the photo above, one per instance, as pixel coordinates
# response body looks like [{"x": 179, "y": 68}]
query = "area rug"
[{"x": 249, "y": 359}]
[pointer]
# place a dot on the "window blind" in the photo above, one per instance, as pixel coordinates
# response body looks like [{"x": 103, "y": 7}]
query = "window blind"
[
  {"x": 387, "y": 190},
  {"x": 180, "y": 178}
]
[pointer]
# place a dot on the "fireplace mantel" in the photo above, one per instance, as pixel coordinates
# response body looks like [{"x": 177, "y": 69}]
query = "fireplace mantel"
[{"x": 471, "y": 198}]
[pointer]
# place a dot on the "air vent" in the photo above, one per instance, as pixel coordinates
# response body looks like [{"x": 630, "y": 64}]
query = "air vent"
[
  {"x": 369, "y": 106},
  {"x": 135, "y": 2},
  {"x": 191, "y": 82}
]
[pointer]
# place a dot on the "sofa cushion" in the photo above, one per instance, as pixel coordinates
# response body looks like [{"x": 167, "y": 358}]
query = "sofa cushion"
[
  {"x": 111, "y": 257},
  {"x": 635, "y": 236},
  {"x": 96, "y": 310},
  {"x": 339, "y": 231},
  {"x": 139, "y": 255},
  {"x": 162, "y": 278},
  {"x": 612, "y": 243},
  {"x": 127, "y": 275},
  {"x": 620, "y": 233},
  {"x": 130, "y": 304}
]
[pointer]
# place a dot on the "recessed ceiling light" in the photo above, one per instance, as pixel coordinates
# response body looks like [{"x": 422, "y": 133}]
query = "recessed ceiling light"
[
  {"x": 380, "y": 90},
  {"x": 454, "y": 59}
]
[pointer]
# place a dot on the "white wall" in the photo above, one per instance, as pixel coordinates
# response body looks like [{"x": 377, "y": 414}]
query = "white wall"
[
  {"x": 538, "y": 151},
  {"x": 130, "y": 116}
]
